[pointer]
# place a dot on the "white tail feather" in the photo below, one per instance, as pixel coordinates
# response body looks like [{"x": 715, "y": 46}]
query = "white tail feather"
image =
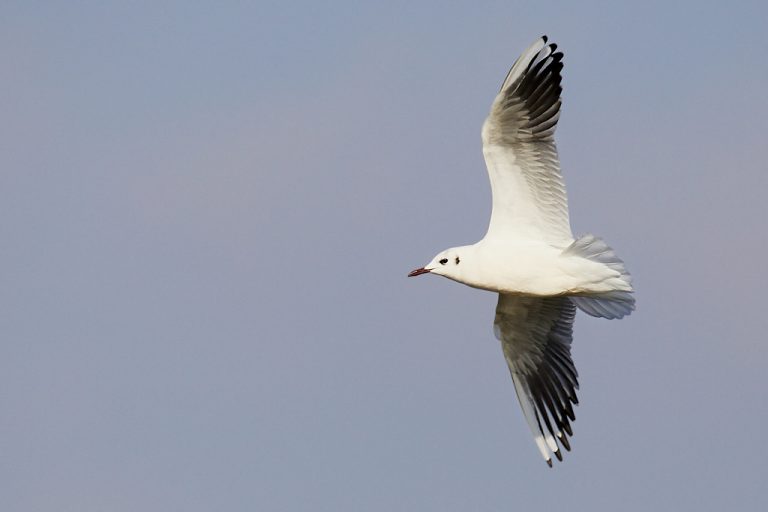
[
  {"x": 612, "y": 304},
  {"x": 606, "y": 305}
]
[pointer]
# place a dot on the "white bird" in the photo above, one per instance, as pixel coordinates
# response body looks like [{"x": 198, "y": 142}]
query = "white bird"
[{"x": 529, "y": 255}]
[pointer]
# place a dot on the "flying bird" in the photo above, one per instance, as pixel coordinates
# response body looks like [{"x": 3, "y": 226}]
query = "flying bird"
[{"x": 529, "y": 255}]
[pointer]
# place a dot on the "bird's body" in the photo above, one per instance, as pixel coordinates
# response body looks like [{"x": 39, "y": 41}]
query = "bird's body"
[
  {"x": 530, "y": 267},
  {"x": 529, "y": 255}
]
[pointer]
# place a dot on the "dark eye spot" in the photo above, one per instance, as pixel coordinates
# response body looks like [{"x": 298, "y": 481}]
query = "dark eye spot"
[
  {"x": 457, "y": 260},
  {"x": 444, "y": 261}
]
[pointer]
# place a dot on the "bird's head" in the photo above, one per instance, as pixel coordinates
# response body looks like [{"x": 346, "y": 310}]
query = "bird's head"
[{"x": 447, "y": 263}]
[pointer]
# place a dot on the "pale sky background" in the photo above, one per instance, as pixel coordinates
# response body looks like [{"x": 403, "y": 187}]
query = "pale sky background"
[{"x": 207, "y": 214}]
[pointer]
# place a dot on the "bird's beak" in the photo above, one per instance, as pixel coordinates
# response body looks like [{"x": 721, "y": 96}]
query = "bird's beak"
[{"x": 419, "y": 271}]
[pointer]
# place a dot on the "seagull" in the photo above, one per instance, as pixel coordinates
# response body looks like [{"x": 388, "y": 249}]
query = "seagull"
[{"x": 529, "y": 255}]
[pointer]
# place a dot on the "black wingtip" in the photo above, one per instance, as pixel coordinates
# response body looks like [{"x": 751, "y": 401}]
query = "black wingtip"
[
  {"x": 545, "y": 38},
  {"x": 559, "y": 455},
  {"x": 549, "y": 462}
]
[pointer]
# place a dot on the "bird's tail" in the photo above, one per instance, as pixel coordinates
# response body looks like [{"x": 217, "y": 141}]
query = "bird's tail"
[{"x": 611, "y": 304}]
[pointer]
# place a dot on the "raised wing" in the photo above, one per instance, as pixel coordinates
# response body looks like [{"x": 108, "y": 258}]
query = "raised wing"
[
  {"x": 529, "y": 200},
  {"x": 535, "y": 335}
]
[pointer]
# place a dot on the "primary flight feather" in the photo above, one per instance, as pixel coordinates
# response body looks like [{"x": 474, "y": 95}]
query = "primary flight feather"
[{"x": 529, "y": 255}]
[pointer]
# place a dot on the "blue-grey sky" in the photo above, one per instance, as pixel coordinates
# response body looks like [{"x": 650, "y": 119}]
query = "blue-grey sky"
[{"x": 207, "y": 213}]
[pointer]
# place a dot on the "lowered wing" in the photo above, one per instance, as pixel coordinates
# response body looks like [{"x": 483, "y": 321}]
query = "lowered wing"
[{"x": 535, "y": 335}]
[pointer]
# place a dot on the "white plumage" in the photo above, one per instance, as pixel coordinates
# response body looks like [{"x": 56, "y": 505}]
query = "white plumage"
[{"x": 529, "y": 255}]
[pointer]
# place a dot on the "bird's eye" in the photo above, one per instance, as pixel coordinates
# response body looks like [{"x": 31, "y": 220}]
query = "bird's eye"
[
  {"x": 444, "y": 261},
  {"x": 457, "y": 260}
]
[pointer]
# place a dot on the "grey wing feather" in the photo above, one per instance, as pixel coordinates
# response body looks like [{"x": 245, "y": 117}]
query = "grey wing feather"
[
  {"x": 536, "y": 335},
  {"x": 527, "y": 107}
]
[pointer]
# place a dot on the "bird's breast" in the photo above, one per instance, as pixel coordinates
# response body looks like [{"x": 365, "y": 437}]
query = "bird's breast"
[{"x": 526, "y": 269}]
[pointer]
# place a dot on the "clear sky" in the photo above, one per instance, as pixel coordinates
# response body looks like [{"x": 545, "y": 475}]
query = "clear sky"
[{"x": 207, "y": 214}]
